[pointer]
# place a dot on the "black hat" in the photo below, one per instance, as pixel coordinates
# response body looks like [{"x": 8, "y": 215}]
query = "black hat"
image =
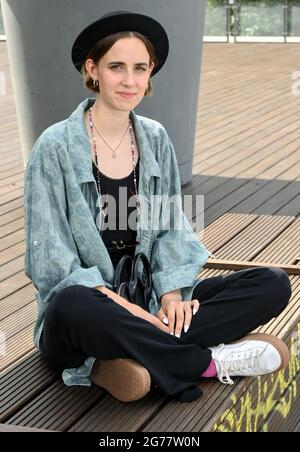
[{"x": 121, "y": 21}]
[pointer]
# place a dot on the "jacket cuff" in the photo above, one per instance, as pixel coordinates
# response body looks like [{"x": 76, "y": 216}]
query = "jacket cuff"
[
  {"x": 89, "y": 277},
  {"x": 169, "y": 280}
]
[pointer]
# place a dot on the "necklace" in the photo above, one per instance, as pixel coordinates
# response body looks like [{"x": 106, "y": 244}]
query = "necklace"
[
  {"x": 104, "y": 208},
  {"x": 114, "y": 155}
]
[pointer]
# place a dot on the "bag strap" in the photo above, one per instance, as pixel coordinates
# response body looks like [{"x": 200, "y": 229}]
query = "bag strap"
[{"x": 124, "y": 263}]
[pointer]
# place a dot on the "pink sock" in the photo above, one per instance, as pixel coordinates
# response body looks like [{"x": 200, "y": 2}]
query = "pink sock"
[{"x": 211, "y": 371}]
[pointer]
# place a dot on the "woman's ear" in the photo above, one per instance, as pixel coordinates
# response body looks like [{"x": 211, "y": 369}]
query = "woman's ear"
[{"x": 90, "y": 67}]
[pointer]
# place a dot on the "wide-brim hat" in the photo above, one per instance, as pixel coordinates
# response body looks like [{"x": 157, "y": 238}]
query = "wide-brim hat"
[{"x": 121, "y": 21}]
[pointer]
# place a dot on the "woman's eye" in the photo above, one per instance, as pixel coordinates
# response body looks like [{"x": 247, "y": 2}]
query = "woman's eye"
[{"x": 140, "y": 68}]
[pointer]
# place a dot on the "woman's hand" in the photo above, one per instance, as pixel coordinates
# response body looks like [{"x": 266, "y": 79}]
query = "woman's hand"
[
  {"x": 133, "y": 308},
  {"x": 179, "y": 311},
  {"x": 140, "y": 312}
]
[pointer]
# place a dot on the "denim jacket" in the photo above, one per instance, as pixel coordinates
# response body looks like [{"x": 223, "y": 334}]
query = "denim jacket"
[{"x": 63, "y": 244}]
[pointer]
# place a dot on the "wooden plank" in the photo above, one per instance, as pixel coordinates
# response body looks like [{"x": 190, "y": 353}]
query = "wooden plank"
[
  {"x": 242, "y": 265},
  {"x": 14, "y": 428},
  {"x": 12, "y": 179},
  {"x": 19, "y": 320},
  {"x": 250, "y": 241},
  {"x": 287, "y": 247},
  {"x": 287, "y": 320},
  {"x": 11, "y": 216},
  {"x": 13, "y": 284},
  {"x": 11, "y": 268},
  {"x": 218, "y": 146},
  {"x": 236, "y": 193},
  {"x": 11, "y": 186},
  {"x": 221, "y": 131},
  {"x": 290, "y": 207},
  {"x": 16, "y": 301},
  {"x": 12, "y": 253},
  {"x": 66, "y": 405},
  {"x": 224, "y": 229},
  {"x": 11, "y": 196},
  {"x": 22, "y": 383},
  {"x": 255, "y": 136},
  {"x": 17, "y": 346},
  {"x": 11, "y": 239},
  {"x": 10, "y": 206}
]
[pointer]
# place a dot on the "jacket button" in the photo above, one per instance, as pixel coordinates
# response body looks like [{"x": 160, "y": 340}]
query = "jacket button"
[{"x": 35, "y": 243}]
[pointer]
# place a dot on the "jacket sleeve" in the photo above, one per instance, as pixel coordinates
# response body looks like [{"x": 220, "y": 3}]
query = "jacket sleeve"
[
  {"x": 51, "y": 258},
  {"x": 177, "y": 255}
]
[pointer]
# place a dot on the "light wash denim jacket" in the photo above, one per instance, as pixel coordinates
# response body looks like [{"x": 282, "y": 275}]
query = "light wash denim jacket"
[{"x": 63, "y": 244}]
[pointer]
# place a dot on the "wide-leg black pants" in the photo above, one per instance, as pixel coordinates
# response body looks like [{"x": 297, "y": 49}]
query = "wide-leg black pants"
[{"x": 82, "y": 322}]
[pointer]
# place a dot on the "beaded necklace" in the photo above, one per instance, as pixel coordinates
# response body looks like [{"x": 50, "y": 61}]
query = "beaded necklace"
[{"x": 103, "y": 209}]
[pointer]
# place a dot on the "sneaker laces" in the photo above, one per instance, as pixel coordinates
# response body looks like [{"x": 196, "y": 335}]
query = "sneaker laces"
[{"x": 245, "y": 361}]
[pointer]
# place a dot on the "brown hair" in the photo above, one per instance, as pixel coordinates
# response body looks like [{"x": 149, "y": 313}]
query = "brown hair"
[{"x": 103, "y": 46}]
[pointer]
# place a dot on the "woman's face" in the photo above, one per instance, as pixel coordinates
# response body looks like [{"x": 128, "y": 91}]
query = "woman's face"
[{"x": 124, "y": 69}]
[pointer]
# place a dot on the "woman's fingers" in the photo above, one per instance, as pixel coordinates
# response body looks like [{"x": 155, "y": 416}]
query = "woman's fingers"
[
  {"x": 179, "y": 315},
  {"x": 171, "y": 316},
  {"x": 162, "y": 316},
  {"x": 195, "y": 306},
  {"x": 191, "y": 309},
  {"x": 162, "y": 327},
  {"x": 188, "y": 316}
]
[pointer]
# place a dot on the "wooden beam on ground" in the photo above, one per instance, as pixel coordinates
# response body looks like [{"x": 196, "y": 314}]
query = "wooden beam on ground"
[
  {"x": 18, "y": 428},
  {"x": 241, "y": 265}
]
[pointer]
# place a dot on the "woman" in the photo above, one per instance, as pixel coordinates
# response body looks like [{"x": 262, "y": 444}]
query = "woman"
[{"x": 72, "y": 179}]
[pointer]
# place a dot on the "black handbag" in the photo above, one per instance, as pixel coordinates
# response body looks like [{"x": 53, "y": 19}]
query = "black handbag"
[{"x": 128, "y": 285}]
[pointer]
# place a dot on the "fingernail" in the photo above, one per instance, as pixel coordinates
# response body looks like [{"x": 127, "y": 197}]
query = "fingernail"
[
  {"x": 166, "y": 322},
  {"x": 186, "y": 328},
  {"x": 177, "y": 335},
  {"x": 194, "y": 311},
  {"x": 172, "y": 334}
]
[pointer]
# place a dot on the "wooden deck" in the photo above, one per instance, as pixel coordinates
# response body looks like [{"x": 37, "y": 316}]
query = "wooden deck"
[{"x": 247, "y": 165}]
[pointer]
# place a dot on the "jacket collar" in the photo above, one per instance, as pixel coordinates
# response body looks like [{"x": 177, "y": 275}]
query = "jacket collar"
[{"x": 80, "y": 149}]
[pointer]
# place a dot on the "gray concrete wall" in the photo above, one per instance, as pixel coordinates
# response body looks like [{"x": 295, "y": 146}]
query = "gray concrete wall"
[{"x": 47, "y": 87}]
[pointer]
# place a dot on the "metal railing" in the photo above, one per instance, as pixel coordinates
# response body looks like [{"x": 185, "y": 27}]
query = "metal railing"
[{"x": 252, "y": 21}]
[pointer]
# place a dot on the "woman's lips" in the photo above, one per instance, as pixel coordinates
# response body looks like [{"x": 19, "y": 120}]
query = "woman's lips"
[{"x": 126, "y": 96}]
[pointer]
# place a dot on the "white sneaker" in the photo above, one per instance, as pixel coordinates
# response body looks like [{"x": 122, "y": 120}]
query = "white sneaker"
[{"x": 251, "y": 356}]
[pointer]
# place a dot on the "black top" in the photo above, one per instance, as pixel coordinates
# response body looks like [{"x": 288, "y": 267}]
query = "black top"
[{"x": 117, "y": 193}]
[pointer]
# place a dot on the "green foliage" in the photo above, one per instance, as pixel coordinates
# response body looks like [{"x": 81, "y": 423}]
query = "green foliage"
[
  {"x": 215, "y": 23},
  {"x": 260, "y": 18},
  {"x": 212, "y": 3}
]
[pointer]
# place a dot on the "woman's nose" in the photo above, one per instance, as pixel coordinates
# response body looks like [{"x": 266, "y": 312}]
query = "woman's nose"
[{"x": 128, "y": 78}]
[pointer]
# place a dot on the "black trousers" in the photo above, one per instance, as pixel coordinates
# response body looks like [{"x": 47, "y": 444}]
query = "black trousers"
[{"x": 82, "y": 322}]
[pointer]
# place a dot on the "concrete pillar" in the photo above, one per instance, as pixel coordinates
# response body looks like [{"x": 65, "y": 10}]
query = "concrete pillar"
[{"x": 47, "y": 87}]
